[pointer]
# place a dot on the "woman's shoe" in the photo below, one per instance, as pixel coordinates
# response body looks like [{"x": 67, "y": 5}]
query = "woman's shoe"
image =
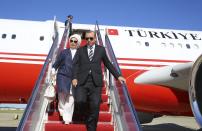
[{"x": 66, "y": 122}]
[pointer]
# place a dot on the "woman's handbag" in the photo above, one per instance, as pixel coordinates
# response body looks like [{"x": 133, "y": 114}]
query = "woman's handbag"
[{"x": 50, "y": 91}]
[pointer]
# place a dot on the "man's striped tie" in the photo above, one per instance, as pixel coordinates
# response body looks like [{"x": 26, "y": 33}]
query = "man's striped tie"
[{"x": 90, "y": 55}]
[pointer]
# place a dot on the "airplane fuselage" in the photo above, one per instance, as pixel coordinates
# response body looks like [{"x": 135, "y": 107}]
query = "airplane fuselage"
[{"x": 138, "y": 50}]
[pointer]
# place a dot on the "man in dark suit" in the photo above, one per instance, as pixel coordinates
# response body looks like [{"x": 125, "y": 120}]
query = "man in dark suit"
[{"x": 88, "y": 78}]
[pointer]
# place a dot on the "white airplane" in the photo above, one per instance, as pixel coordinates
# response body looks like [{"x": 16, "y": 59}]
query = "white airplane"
[{"x": 161, "y": 66}]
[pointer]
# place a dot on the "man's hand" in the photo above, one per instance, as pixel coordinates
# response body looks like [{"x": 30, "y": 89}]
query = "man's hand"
[
  {"x": 122, "y": 79},
  {"x": 74, "y": 82}
]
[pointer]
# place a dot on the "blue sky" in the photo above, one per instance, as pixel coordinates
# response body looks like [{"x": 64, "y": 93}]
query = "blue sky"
[
  {"x": 13, "y": 105},
  {"x": 169, "y": 14}
]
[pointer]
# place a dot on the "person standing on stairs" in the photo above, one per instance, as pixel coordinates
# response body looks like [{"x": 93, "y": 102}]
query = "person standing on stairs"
[
  {"x": 69, "y": 19},
  {"x": 64, "y": 77},
  {"x": 88, "y": 79}
]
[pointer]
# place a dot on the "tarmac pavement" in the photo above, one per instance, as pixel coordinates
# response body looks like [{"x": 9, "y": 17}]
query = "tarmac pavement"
[{"x": 10, "y": 120}]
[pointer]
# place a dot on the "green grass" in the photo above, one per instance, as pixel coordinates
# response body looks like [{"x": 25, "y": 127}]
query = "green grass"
[{"x": 11, "y": 111}]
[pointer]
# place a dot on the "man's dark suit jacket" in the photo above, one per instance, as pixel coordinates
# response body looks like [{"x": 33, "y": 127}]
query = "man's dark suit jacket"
[{"x": 82, "y": 65}]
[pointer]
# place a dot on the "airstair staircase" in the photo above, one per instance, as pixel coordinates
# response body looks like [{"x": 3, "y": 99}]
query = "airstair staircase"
[
  {"x": 54, "y": 122},
  {"x": 117, "y": 112}
]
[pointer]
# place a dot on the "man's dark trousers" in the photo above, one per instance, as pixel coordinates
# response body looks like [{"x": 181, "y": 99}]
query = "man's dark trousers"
[{"x": 88, "y": 95}]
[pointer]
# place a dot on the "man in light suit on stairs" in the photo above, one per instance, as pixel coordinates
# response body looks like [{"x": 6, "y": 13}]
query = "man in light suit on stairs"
[{"x": 88, "y": 78}]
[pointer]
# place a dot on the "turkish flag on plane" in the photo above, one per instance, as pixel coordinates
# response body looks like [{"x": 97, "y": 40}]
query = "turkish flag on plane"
[{"x": 113, "y": 32}]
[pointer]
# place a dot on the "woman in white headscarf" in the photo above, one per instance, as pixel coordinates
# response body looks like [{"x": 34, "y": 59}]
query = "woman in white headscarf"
[{"x": 63, "y": 64}]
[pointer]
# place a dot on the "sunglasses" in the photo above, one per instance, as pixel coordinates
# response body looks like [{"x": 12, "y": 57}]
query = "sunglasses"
[
  {"x": 73, "y": 41},
  {"x": 89, "y": 38}
]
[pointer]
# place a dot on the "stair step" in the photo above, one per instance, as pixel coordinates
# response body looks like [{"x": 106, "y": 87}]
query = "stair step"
[
  {"x": 104, "y": 107},
  {"x": 104, "y": 98},
  {"x": 104, "y": 91},
  {"x": 54, "y": 122},
  {"x": 103, "y": 116},
  {"x": 53, "y": 105},
  {"x": 75, "y": 127}
]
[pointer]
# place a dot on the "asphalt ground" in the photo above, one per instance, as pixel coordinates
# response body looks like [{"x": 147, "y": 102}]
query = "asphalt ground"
[
  {"x": 9, "y": 120},
  {"x": 171, "y": 123}
]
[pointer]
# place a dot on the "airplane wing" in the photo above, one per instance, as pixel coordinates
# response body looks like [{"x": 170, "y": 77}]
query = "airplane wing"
[
  {"x": 185, "y": 76},
  {"x": 175, "y": 76}
]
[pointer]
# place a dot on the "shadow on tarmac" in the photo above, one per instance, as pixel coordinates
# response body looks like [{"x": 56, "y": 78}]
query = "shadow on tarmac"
[
  {"x": 165, "y": 127},
  {"x": 8, "y": 128}
]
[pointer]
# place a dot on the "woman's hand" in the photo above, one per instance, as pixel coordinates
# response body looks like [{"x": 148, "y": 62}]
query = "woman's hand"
[{"x": 74, "y": 82}]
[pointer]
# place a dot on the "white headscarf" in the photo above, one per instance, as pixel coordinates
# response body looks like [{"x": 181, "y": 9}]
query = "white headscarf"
[{"x": 78, "y": 37}]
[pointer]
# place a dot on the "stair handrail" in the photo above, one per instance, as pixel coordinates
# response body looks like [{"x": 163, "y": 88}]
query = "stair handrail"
[
  {"x": 119, "y": 117},
  {"x": 134, "y": 123},
  {"x": 33, "y": 116}
]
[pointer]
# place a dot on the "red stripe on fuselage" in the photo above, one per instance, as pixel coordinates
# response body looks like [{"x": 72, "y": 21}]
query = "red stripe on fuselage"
[
  {"x": 155, "y": 60},
  {"x": 9, "y": 53},
  {"x": 17, "y": 81},
  {"x": 22, "y": 59},
  {"x": 147, "y": 65}
]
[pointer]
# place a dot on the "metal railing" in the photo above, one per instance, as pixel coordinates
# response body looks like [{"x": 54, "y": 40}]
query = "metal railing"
[
  {"x": 125, "y": 116},
  {"x": 34, "y": 113}
]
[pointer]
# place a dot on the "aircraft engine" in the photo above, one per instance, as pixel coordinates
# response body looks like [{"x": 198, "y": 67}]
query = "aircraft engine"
[{"x": 195, "y": 90}]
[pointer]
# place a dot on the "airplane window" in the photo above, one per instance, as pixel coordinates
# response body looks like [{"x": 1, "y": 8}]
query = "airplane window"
[
  {"x": 146, "y": 43},
  {"x": 171, "y": 45},
  {"x": 196, "y": 46},
  {"x": 13, "y": 36},
  {"x": 163, "y": 44},
  {"x": 138, "y": 42},
  {"x": 3, "y": 36},
  {"x": 188, "y": 46},
  {"x": 41, "y": 38},
  {"x": 180, "y": 45}
]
